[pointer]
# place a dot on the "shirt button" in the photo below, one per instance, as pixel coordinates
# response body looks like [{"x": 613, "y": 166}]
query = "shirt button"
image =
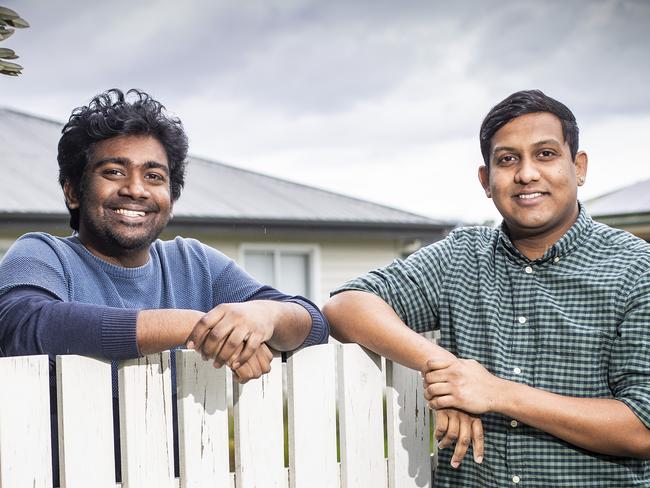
[
  {"x": 522, "y": 320},
  {"x": 514, "y": 423},
  {"x": 516, "y": 479},
  {"x": 528, "y": 269},
  {"x": 556, "y": 259},
  {"x": 517, "y": 370}
]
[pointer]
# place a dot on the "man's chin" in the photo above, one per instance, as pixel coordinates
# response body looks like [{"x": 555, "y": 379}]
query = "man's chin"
[{"x": 134, "y": 242}]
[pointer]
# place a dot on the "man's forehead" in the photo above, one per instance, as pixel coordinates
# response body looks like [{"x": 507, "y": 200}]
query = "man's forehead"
[
  {"x": 134, "y": 148},
  {"x": 530, "y": 129}
]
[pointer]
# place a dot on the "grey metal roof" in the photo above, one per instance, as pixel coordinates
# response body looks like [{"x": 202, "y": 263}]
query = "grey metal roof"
[
  {"x": 213, "y": 191},
  {"x": 632, "y": 199}
]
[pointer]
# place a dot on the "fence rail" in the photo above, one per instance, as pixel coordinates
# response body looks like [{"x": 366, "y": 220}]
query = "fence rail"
[{"x": 320, "y": 381}]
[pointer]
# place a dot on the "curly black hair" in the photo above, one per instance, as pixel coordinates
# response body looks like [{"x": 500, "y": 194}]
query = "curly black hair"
[
  {"x": 522, "y": 103},
  {"x": 114, "y": 113}
]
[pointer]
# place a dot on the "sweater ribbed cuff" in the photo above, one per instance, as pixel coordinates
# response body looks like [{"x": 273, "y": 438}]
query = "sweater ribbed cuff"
[
  {"x": 119, "y": 333},
  {"x": 320, "y": 329}
]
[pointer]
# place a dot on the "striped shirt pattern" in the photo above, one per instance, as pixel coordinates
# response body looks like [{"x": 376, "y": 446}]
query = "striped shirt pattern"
[{"x": 575, "y": 322}]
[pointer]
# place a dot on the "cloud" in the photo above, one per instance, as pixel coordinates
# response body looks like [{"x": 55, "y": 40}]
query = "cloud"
[{"x": 379, "y": 99}]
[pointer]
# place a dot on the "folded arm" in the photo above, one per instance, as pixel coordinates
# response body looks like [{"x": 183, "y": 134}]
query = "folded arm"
[
  {"x": 364, "y": 318},
  {"x": 602, "y": 425}
]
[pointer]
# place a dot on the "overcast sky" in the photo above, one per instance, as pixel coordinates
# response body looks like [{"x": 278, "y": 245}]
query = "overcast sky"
[{"x": 381, "y": 100}]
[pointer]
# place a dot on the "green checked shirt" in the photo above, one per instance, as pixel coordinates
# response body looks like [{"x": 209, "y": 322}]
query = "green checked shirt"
[{"x": 575, "y": 322}]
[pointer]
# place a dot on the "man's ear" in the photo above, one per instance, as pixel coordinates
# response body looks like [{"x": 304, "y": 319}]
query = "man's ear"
[
  {"x": 484, "y": 178},
  {"x": 71, "y": 197},
  {"x": 581, "y": 162}
]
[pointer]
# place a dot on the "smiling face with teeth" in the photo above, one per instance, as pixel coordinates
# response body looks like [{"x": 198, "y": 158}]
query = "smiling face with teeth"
[
  {"x": 533, "y": 180},
  {"x": 125, "y": 200}
]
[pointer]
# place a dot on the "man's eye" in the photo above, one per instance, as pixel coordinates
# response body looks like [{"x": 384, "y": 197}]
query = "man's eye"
[
  {"x": 546, "y": 154},
  {"x": 155, "y": 177},
  {"x": 113, "y": 172},
  {"x": 507, "y": 159}
]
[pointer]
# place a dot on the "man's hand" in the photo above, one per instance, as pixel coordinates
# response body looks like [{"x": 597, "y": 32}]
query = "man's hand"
[
  {"x": 464, "y": 384},
  {"x": 231, "y": 333},
  {"x": 454, "y": 426},
  {"x": 258, "y": 364}
]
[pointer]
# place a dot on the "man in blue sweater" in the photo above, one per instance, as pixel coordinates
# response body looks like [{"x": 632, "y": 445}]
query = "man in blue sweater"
[{"x": 112, "y": 289}]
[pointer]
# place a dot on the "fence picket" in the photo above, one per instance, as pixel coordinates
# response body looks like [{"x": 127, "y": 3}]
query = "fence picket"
[
  {"x": 146, "y": 422},
  {"x": 202, "y": 422},
  {"x": 25, "y": 444},
  {"x": 259, "y": 432},
  {"x": 311, "y": 403},
  {"x": 361, "y": 418},
  {"x": 85, "y": 416},
  {"x": 407, "y": 414}
]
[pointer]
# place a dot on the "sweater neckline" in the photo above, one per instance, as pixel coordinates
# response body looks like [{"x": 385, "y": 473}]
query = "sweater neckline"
[{"x": 112, "y": 269}]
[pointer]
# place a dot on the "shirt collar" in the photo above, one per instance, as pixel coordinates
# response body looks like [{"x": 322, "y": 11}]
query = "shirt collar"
[{"x": 567, "y": 243}]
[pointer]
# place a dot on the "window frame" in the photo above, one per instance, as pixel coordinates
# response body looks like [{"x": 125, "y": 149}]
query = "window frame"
[{"x": 313, "y": 257}]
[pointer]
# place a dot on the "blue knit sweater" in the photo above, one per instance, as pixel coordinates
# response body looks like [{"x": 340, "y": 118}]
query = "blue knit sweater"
[{"x": 56, "y": 297}]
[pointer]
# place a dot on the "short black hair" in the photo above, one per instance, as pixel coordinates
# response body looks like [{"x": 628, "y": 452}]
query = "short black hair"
[
  {"x": 522, "y": 103},
  {"x": 111, "y": 114}
]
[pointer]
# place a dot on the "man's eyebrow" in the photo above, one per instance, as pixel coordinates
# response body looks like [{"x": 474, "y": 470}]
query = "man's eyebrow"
[
  {"x": 125, "y": 162},
  {"x": 504, "y": 148},
  {"x": 546, "y": 142},
  {"x": 156, "y": 165},
  {"x": 120, "y": 161}
]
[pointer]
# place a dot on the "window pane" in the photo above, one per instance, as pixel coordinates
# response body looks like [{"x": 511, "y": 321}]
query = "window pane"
[
  {"x": 260, "y": 265},
  {"x": 294, "y": 274}
]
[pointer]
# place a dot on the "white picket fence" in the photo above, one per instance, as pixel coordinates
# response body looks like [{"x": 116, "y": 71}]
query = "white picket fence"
[{"x": 321, "y": 380}]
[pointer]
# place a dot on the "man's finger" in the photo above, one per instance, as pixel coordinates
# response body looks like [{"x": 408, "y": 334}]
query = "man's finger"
[
  {"x": 452, "y": 432},
  {"x": 221, "y": 361},
  {"x": 464, "y": 440},
  {"x": 232, "y": 344},
  {"x": 250, "y": 347},
  {"x": 442, "y": 421},
  {"x": 437, "y": 390},
  {"x": 440, "y": 376},
  {"x": 436, "y": 364},
  {"x": 203, "y": 327},
  {"x": 445, "y": 401},
  {"x": 477, "y": 440},
  {"x": 249, "y": 370},
  {"x": 266, "y": 351}
]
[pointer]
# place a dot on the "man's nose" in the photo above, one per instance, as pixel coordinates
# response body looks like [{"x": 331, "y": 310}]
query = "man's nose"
[
  {"x": 134, "y": 187},
  {"x": 527, "y": 171}
]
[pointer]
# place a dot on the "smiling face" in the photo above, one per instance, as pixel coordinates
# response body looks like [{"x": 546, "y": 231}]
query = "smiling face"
[
  {"x": 533, "y": 180},
  {"x": 126, "y": 202}
]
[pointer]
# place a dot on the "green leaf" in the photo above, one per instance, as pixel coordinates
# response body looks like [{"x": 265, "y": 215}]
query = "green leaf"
[
  {"x": 6, "y": 53},
  {"x": 5, "y": 33},
  {"x": 19, "y": 23},
  {"x": 7, "y": 13},
  {"x": 7, "y": 66}
]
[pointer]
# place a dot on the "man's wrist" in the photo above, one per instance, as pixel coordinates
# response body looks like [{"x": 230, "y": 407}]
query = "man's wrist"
[{"x": 502, "y": 398}]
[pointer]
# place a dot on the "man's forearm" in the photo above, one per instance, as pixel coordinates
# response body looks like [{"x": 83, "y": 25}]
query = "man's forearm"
[
  {"x": 291, "y": 324},
  {"x": 159, "y": 330},
  {"x": 601, "y": 425},
  {"x": 364, "y": 318}
]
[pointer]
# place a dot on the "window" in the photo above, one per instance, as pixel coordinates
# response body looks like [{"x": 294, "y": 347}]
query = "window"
[{"x": 292, "y": 269}]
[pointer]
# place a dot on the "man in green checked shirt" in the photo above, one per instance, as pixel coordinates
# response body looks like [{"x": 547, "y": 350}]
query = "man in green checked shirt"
[{"x": 544, "y": 321}]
